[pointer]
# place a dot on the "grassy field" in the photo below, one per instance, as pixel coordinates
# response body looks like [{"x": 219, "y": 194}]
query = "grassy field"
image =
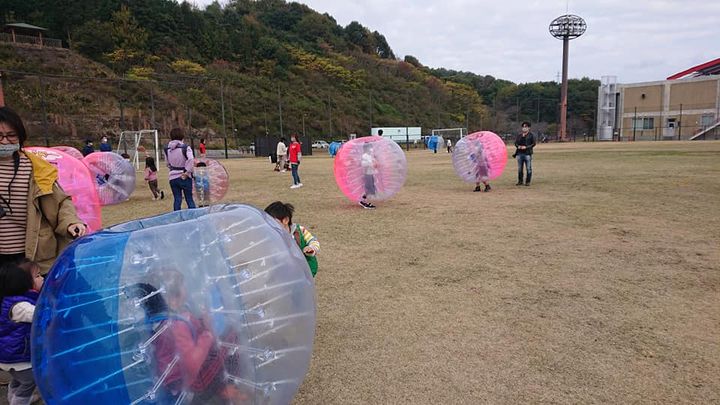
[{"x": 600, "y": 283}]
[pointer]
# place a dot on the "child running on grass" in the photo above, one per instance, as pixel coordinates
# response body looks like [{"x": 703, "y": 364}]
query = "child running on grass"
[
  {"x": 151, "y": 178},
  {"x": 308, "y": 244}
]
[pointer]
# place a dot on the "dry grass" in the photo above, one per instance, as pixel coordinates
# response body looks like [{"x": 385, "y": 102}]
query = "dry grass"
[{"x": 600, "y": 283}]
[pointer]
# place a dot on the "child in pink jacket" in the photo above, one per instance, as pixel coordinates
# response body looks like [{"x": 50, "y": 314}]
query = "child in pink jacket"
[{"x": 151, "y": 178}]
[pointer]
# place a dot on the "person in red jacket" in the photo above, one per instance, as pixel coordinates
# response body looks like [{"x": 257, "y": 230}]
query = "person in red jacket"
[
  {"x": 294, "y": 155},
  {"x": 203, "y": 149}
]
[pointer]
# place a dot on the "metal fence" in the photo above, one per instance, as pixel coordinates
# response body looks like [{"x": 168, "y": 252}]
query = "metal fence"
[
  {"x": 691, "y": 121},
  {"x": 32, "y": 40}
]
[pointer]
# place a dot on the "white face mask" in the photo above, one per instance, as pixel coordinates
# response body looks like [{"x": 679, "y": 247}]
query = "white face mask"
[{"x": 7, "y": 149}]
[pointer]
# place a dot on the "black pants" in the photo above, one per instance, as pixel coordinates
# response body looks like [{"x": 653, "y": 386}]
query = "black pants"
[{"x": 12, "y": 258}]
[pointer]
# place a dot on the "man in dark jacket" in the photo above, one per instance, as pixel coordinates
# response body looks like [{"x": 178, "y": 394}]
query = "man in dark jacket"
[
  {"x": 524, "y": 144},
  {"x": 88, "y": 148}
]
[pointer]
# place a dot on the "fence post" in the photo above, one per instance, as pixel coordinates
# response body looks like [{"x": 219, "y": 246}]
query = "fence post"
[
  {"x": 407, "y": 139},
  {"x": 634, "y": 124},
  {"x": 680, "y": 124}
]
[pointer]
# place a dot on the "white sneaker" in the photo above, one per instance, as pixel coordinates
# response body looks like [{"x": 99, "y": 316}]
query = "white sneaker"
[
  {"x": 284, "y": 171},
  {"x": 299, "y": 185},
  {"x": 295, "y": 186}
]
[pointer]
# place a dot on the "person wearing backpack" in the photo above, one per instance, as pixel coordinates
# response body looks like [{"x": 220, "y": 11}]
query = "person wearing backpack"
[{"x": 179, "y": 160}]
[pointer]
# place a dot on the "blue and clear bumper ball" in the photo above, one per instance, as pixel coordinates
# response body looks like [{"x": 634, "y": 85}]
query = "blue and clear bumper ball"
[{"x": 204, "y": 306}]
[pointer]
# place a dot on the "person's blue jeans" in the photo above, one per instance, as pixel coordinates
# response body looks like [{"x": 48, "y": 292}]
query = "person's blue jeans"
[
  {"x": 525, "y": 160},
  {"x": 295, "y": 175},
  {"x": 180, "y": 187}
]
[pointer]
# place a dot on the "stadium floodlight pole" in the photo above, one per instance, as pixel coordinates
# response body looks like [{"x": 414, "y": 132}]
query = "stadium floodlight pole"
[{"x": 566, "y": 27}]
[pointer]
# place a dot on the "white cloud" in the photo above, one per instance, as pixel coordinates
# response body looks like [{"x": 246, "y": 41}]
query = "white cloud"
[{"x": 509, "y": 39}]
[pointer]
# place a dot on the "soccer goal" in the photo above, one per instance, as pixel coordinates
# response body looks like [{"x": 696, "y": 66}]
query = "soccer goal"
[
  {"x": 139, "y": 144},
  {"x": 452, "y": 133}
]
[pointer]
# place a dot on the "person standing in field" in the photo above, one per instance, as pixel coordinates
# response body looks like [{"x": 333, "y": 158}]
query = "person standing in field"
[
  {"x": 281, "y": 152},
  {"x": 179, "y": 158},
  {"x": 524, "y": 144},
  {"x": 294, "y": 156},
  {"x": 37, "y": 218},
  {"x": 104, "y": 145},
  {"x": 203, "y": 149}
]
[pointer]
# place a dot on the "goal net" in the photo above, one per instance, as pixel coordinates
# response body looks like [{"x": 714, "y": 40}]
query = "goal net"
[
  {"x": 138, "y": 145},
  {"x": 452, "y": 133}
]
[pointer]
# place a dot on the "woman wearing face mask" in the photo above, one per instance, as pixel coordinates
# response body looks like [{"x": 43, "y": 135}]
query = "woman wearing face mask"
[{"x": 37, "y": 219}]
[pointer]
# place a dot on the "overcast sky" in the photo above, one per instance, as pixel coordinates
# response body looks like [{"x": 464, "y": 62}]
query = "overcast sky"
[{"x": 635, "y": 40}]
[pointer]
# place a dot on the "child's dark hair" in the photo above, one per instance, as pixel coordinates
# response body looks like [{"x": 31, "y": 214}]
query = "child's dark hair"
[
  {"x": 14, "y": 280},
  {"x": 526, "y": 124},
  {"x": 280, "y": 210},
  {"x": 150, "y": 164},
  {"x": 153, "y": 303},
  {"x": 176, "y": 134},
  {"x": 201, "y": 164},
  {"x": 28, "y": 265}
]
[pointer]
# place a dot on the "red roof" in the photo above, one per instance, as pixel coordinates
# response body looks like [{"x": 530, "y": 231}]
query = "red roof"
[{"x": 705, "y": 69}]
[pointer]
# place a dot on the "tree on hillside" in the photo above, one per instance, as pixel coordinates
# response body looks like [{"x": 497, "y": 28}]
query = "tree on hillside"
[
  {"x": 361, "y": 37},
  {"x": 92, "y": 40},
  {"x": 129, "y": 39},
  {"x": 382, "y": 49},
  {"x": 413, "y": 61}
]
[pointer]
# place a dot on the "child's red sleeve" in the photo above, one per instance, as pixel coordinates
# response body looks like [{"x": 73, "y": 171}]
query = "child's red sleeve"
[{"x": 192, "y": 354}]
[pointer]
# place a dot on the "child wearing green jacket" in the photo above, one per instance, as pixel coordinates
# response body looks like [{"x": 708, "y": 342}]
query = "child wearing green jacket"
[{"x": 308, "y": 243}]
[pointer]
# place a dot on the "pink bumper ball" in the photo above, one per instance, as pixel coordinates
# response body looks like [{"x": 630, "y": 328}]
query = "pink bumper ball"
[
  {"x": 70, "y": 151},
  {"x": 371, "y": 166},
  {"x": 77, "y": 181},
  {"x": 114, "y": 176},
  {"x": 210, "y": 181},
  {"x": 480, "y": 156}
]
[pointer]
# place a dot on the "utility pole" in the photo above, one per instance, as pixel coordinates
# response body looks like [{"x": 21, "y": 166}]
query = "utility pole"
[
  {"x": 43, "y": 106},
  {"x": 122, "y": 107},
  {"x": 152, "y": 108},
  {"x": 232, "y": 123},
  {"x": 467, "y": 120},
  {"x": 266, "y": 122},
  {"x": 222, "y": 109},
  {"x": 371, "y": 108},
  {"x": 280, "y": 110},
  {"x": 2, "y": 95},
  {"x": 330, "y": 115},
  {"x": 303, "y": 122}
]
